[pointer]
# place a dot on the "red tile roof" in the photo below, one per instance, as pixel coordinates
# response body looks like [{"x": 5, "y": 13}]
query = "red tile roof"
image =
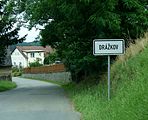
[{"x": 46, "y": 49}]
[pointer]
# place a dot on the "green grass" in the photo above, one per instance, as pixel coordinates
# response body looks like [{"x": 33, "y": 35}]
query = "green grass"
[
  {"x": 6, "y": 85},
  {"x": 129, "y": 92}
]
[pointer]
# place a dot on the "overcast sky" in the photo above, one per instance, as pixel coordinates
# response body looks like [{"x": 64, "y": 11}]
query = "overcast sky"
[{"x": 32, "y": 34}]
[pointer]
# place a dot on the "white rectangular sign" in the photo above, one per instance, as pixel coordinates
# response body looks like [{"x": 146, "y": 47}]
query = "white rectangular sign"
[{"x": 108, "y": 46}]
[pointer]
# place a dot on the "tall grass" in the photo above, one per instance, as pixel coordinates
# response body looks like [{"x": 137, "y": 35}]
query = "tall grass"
[
  {"x": 129, "y": 83},
  {"x": 134, "y": 48}
]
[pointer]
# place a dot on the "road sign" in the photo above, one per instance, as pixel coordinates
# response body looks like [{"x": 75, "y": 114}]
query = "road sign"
[{"x": 108, "y": 47}]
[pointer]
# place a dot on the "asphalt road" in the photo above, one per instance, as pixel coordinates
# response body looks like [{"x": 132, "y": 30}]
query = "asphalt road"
[{"x": 36, "y": 100}]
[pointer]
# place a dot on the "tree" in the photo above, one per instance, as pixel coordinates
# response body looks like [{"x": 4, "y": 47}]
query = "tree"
[
  {"x": 51, "y": 58},
  {"x": 71, "y": 25},
  {"x": 8, "y": 34}
]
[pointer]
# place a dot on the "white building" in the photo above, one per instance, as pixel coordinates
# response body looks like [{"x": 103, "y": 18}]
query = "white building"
[{"x": 23, "y": 55}]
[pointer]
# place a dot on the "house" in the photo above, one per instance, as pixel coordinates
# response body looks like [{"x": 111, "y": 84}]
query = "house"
[{"x": 23, "y": 55}]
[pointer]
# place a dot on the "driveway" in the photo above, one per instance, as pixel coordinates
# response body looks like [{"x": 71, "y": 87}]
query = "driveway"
[{"x": 36, "y": 100}]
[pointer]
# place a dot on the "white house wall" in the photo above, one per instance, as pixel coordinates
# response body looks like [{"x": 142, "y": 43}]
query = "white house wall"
[
  {"x": 37, "y": 55},
  {"x": 18, "y": 59}
]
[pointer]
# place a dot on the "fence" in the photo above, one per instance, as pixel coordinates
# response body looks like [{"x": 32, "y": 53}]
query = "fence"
[{"x": 45, "y": 69}]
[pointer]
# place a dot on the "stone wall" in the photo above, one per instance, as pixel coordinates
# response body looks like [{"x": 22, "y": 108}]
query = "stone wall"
[
  {"x": 58, "y": 76},
  {"x": 5, "y": 73}
]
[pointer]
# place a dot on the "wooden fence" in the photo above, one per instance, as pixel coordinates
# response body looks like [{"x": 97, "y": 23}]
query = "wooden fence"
[{"x": 45, "y": 69}]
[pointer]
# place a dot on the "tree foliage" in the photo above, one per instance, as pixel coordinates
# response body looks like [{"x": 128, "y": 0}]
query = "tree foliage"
[
  {"x": 71, "y": 26},
  {"x": 51, "y": 58},
  {"x": 8, "y": 33}
]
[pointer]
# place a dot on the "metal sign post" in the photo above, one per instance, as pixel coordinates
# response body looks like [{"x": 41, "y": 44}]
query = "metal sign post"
[
  {"x": 109, "y": 78},
  {"x": 108, "y": 47}
]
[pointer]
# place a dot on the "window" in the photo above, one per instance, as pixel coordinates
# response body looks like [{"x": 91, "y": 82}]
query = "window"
[
  {"x": 14, "y": 64},
  {"x": 20, "y": 64},
  {"x": 39, "y": 53},
  {"x": 32, "y": 55}
]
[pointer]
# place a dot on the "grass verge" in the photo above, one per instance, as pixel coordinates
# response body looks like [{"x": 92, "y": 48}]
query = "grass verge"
[
  {"x": 7, "y": 85},
  {"x": 129, "y": 91}
]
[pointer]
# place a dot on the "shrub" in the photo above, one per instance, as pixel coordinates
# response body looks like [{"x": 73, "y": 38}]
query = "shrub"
[
  {"x": 16, "y": 71},
  {"x": 51, "y": 58},
  {"x": 15, "y": 74},
  {"x": 35, "y": 64}
]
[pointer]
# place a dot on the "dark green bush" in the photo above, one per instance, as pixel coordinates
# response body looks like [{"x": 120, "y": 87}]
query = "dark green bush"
[
  {"x": 35, "y": 64},
  {"x": 51, "y": 58}
]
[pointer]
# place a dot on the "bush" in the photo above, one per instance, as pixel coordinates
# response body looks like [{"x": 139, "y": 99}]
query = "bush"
[
  {"x": 15, "y": 74},
  {"x": 35, "y": 64},
  {"x": 16, "y": 71},
  {"x": 51, "y": 58}
]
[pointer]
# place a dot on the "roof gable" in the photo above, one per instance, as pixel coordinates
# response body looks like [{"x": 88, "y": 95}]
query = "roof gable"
[{"x": 20, "y": 52}]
